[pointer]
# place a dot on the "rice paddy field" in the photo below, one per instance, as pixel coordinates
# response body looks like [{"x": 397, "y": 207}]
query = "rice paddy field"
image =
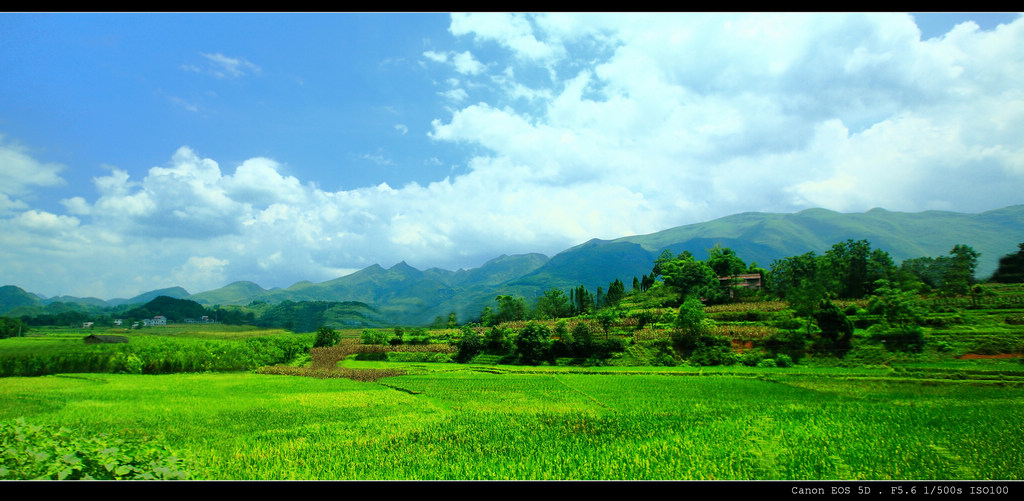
[{"x": 451, "y": 421}]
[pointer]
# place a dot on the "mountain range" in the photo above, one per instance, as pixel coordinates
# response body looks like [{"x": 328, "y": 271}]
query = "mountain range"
[{"x": 410, "y": 296}]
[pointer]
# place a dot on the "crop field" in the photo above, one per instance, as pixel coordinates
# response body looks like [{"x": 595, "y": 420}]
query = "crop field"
[
  {"x": 446, "y": 421},
  {"x": 235, "y": 402}
]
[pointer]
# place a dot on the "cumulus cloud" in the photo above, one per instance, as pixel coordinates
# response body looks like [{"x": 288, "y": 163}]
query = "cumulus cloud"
[
  {"x": 596, "y": 126},
  {"x": 513, "y": 31},
  {"x": 20, "y": 172},
  {"x": 715, "y": 114}
]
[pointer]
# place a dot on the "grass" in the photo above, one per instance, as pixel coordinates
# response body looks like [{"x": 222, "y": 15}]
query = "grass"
[
  {"x": 443, "y": 421},
  {"x": 872, "y": 415}
]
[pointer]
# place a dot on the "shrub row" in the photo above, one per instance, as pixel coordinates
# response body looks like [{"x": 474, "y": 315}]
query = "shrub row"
[{"x": 155, "y": 356}]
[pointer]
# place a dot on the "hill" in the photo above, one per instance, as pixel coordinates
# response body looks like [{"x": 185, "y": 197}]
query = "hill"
[
  {"x": 405, "y": 295},
  {"x": 12, "y": 297}
]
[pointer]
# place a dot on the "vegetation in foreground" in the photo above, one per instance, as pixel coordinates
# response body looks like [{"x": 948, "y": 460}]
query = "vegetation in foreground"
[{"x": 503, "y": 422}]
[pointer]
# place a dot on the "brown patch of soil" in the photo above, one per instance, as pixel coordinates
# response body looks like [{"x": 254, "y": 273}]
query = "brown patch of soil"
[
  {"x": 999, "y": 355},
  {"x": 742, "y": 346}
]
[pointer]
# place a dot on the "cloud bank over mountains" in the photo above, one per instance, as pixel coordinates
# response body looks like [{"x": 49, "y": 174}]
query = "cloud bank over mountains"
[{"x": 566, "y": 127}]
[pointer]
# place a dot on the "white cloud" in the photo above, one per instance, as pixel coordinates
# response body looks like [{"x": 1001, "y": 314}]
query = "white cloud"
[
  {"x": 20, "y": 172},
  {"x": 455, "y": 95},
  {"x": 223, "y": 66},
  {"x": 594, "y": 126},
  {"x": 202, "y": 273},
  {"x": 437, "y": 57},
  {"x": 8, "y": 206},
  {"x": 510, "y": 30},
  {"x": 258, "y": 182},
  {"x": 465, "y": 64},
  {"x": 45, "y": 222}
]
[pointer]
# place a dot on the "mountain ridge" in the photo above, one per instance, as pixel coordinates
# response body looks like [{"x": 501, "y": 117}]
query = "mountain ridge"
[{"x": 412, "y": 296}]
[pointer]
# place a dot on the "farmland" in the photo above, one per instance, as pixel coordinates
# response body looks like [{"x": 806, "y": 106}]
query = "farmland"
[
  {"x": 232, "y": 402},
  {"x": 511, "y": 423}
]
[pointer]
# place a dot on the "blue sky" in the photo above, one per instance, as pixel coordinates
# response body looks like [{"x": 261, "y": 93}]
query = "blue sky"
[{"x": 140, "y": 151}]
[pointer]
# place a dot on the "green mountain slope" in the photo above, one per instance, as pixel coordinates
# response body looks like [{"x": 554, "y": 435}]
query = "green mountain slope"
[
  {"x": 236, "y": 293},
  {"x": 405, "y": 295},
  {"x": 12, "y": 297},
  {"x": 903, "y": 235}
]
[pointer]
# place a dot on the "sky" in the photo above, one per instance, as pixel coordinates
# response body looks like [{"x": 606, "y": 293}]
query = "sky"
[{"x": 141, "y": 151}]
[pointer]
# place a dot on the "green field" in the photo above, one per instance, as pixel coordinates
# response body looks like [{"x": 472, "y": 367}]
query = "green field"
[
  {"x": 197, "y": 402},
  {"x": 445, "y": 421}
]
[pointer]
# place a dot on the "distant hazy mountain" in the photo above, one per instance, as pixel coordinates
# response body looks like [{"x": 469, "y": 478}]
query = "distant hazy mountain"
[
  {"x": 145, "y": 297},
  {"x": 405, "y": 295},
  {"x": 233, "y": 293}
]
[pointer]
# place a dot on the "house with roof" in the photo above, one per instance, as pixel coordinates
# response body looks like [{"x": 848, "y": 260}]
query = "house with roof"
[
  {"x": 744, "y": 281},
  {"x": 157, "y": 320}
]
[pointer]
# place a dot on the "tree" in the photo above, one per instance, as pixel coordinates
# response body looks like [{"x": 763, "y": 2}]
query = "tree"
[
  {"x": 666, "y": 256},
  {"x": 846, "y": 268},
  {"x": 326, "y": 337},
  {"x": 960, "y": 275},
  {"x": 689, "y": 276},
  {"x": 553, "y": 304},
  {"x": 920, "y": 272},
  {"x": 646, "y": 282},
  {"x": 836, "y": 328},
  {"x": 496, "y": 341},
  {"x": 1011, "y": 268},
  {"x": 806, "y": 298},
  {"x": 606, "y": 318},
  {"x": 487, "y": 317},
  {"x": 880, "y": 267},
  {"x": 691, "y": 318},
  {"x": 584, "y": 346},
  {"x": 725, "y": 262},
  {"x": 469, "y": 345},
  {"x": 582, "y": 300},
  {"x": 900, "y": 310},
  {"x": 531, "y": 344},
  {"x": 12, "y": 327},
  {"x": 616, "y": 291},
  {"x": 510, "y": 309}
]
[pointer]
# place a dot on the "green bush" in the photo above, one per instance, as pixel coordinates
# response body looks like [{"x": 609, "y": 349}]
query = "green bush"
[
  {"x": 785, "y": 320},
  {"x": 531, "y": 344},
  {"x": 715, "y": 354},
  {"x": 29, "y": 452},
  {"x": 836, "y": 330},
  {"x": 151, "y": 355},
  {"x": 374, "y": 336},
  {"x": 497, "y": 341},
  {"x": 326, "y": 337},
  {"x": 790, "y": 342},
  {"x": 469, "y": 345},
  {"x": 750, "y": 358},
  {"x": 910, "y": 340},
  {"x": 768, "y": 362}
]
